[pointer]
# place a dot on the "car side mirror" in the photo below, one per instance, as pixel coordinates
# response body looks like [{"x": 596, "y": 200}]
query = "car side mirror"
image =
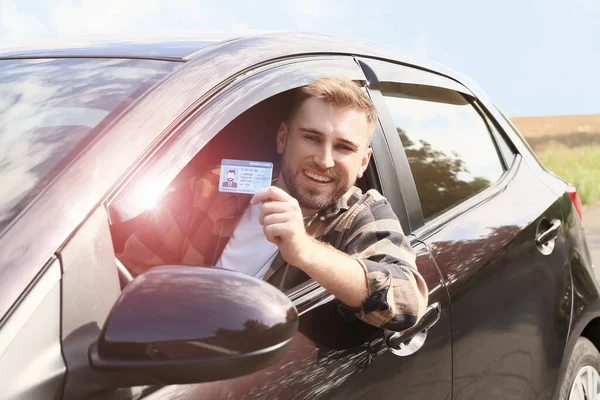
[{"x": 177, "y": 324}]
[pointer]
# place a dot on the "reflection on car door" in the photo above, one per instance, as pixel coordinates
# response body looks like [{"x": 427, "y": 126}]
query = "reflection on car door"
[
  {"x": 31, "y": 363},
  {"x": 425, "y": 374},
  {"x": 482, "y": 210},
  {"x": 510, "y": 302},
  {"x": 333, "y": 356}
]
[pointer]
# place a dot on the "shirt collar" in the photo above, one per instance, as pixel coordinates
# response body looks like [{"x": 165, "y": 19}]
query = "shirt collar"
[{"x": 341, "y": 204}]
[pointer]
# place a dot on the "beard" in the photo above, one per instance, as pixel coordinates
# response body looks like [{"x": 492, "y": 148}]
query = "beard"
[{"x": 313, "y": 197}]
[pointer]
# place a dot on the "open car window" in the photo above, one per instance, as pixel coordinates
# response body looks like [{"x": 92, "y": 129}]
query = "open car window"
[
  {"x": 250, "y": 136},
  {"x": 241, "y": 123}
]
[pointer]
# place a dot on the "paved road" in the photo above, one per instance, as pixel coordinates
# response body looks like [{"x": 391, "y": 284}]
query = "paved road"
[{"x": 591, "y": 224}]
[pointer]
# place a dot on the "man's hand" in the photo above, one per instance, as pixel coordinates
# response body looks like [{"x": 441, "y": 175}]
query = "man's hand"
[{"x": 283, "y": 224}]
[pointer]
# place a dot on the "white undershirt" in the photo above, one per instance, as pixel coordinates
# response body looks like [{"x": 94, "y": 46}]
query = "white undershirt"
[{"x": 248, "y": 250}]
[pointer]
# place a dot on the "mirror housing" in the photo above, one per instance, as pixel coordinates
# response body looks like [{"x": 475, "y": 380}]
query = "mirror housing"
[{"x": 179, "y": 324}]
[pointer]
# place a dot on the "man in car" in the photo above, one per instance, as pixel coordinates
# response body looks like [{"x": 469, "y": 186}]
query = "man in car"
[{"x": 313, "y": 222}]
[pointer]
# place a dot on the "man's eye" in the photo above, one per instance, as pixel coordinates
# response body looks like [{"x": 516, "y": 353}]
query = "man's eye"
[
  {"x": 344, "y": 147},
  {"x": 313, "y": 138}
]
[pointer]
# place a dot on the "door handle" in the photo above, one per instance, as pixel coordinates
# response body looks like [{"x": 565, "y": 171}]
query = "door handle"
[
  {"x": 412, "y": 339},
  {"x": 549, "y": 234}
]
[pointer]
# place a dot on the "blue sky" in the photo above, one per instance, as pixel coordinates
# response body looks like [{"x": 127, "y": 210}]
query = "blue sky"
[{"x": 537, "y": 57}]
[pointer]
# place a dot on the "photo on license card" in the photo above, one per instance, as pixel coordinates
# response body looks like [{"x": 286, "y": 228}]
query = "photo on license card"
[{"x": 244, "y": 176}]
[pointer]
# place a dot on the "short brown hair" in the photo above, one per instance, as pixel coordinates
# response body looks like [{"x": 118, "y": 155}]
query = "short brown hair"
[{"x": 338, "y": 91}]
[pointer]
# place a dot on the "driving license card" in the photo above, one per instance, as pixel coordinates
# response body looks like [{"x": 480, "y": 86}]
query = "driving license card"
[{"x": 242, "y": 176}]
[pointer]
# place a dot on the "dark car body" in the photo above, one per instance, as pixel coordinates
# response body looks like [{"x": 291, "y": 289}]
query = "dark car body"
[{"x": 511, "y": 308}]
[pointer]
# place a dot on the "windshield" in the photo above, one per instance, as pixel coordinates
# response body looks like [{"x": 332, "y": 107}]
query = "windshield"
[{"x": 50, "y": 108}]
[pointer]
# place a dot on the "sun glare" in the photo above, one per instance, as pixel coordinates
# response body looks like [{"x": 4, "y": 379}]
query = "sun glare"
[{"x": 150, "y": 194}]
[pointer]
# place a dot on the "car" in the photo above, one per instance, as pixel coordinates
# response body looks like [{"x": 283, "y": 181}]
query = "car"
[{"x": 94, "y": 134}]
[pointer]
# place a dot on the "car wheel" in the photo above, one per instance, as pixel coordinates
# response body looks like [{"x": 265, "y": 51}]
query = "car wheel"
[{"x": 582, "y": 377}]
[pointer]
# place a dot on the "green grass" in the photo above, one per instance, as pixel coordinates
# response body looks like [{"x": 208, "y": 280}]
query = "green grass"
[{"x": 577, "y": 165}]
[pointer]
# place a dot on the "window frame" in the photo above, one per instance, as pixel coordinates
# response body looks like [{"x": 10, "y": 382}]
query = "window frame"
[
  {"x": 266, "y": 81},
  {"x": 396, "y": 73},
  {"x": 499, "y": 136}
]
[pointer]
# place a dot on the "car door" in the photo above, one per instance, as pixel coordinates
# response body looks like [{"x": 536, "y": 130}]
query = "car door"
[
  {"x": 332, "y": 355},
  {"x": 494, "y": 230},
  {"x": 54, "y": 108},
  {"x": 31, "y": 363}
]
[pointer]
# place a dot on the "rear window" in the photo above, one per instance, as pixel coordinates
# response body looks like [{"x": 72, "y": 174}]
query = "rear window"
[
  {"x": 50, "y": 108},
  {"x": 449, "y": 146}
]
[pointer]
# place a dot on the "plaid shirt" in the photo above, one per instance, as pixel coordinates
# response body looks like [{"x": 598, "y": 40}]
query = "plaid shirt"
[{"x": 193, "y": 222}]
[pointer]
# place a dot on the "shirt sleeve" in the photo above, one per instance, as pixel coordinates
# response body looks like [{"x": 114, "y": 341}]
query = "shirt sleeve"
[{"x": 397, "y": 292}]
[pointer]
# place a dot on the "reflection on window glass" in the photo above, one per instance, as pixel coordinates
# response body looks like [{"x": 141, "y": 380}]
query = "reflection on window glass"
[
  {"x": 48, "y": 106},
  {"x": 448, "y": 144}
]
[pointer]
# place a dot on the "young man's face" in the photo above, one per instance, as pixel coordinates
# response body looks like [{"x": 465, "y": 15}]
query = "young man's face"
[
  {"x": 324, "y": 150},
  {"x": 230, "y": 176}
]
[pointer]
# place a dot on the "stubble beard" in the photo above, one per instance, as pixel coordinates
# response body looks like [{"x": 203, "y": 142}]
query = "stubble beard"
[{"x": 310, "y": 197}]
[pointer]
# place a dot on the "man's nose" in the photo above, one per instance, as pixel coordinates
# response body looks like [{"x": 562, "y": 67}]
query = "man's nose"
[{"x": 325, "y": 158}]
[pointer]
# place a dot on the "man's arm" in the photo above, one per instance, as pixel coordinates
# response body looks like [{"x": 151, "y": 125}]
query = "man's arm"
[
  {"x": 375, "y": 274},
  {"x": 342, "y": 275},
  {"x": 398, "y": 293}
]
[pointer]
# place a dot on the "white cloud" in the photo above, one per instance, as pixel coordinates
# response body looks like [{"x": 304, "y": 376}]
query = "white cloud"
[
  {"x": 86, "y": 18},
  {"x": 421, "y": 44},
  {"x": 588, "y": 6},
  {"x": 91, "y": 17},
  {"x": 309, "y": 8},
  {"x": 79, "y": 20},
  {"x": 17, "y": 25},
  {"x": 588, "y": 15}
]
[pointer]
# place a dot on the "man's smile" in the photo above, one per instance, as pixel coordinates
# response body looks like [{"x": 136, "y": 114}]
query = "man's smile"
[{"x": 314, "y": 176}]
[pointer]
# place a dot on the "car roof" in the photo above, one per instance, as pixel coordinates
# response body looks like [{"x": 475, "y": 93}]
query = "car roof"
[
  {"x": 175, "y": 47},
  {"x": 185, "y": 47}
]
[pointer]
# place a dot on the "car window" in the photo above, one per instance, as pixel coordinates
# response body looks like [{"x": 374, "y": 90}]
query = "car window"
[
  {"x": 448, "y": 144},
  {"x": 169, "y": 216},
  {"x": 49, "y": 106}
]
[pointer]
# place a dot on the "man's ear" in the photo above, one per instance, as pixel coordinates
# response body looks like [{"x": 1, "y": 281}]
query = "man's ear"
[
  {"x": 364, "y": 162},
  {"x": 282, "y": 137}
]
